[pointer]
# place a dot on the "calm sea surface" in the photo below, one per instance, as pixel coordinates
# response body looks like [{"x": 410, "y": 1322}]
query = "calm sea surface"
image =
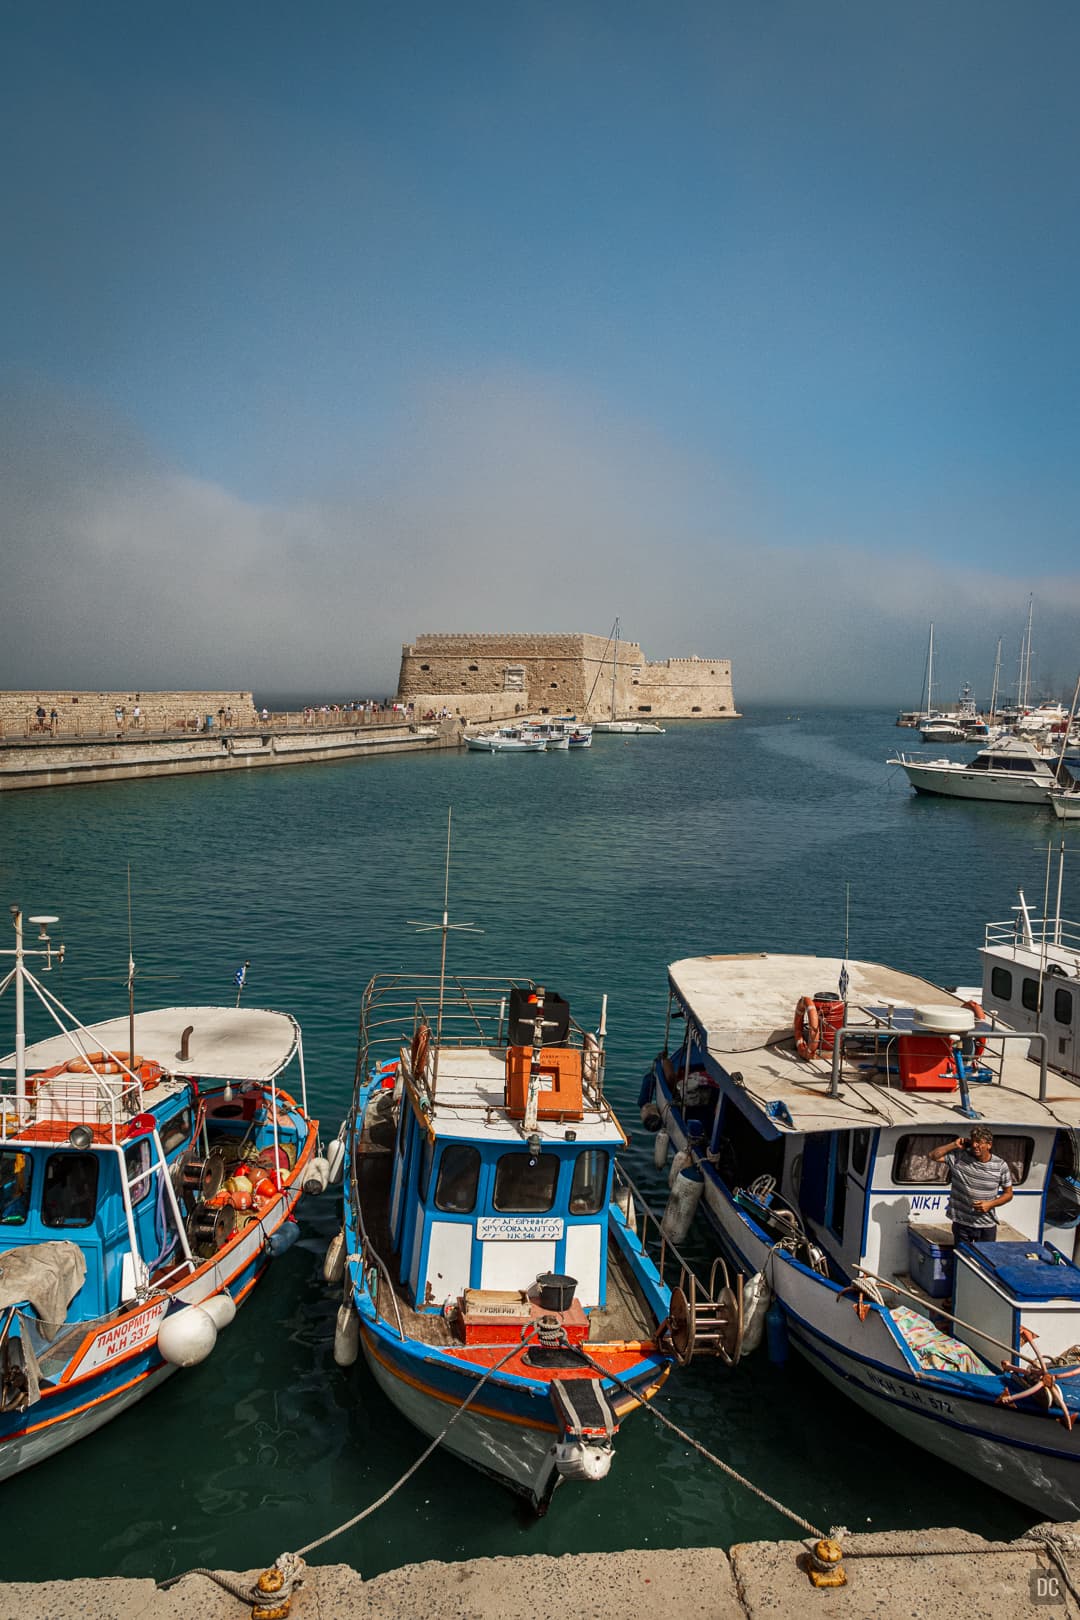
[{"x": 589, "y": 872}]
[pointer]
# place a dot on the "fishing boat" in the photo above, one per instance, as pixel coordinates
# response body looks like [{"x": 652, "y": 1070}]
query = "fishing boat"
[
  {"x": 496, "y": 1266},
  {"x": 150, "y": 1167},
  {"x": 812, "y": 1117},
  {"x": 507, "y": 740},
  {"x": 561, "y": 734},
  {"x": 1008, "y": 771}
]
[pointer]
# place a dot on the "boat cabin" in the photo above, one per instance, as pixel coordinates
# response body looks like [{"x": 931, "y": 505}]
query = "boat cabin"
[
  {"x": 1031, "y": 980},
  {"x": 503, "y": 1157}
]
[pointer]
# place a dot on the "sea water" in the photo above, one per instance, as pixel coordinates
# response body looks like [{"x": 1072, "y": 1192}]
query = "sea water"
[{"x": 590, "y": 872}]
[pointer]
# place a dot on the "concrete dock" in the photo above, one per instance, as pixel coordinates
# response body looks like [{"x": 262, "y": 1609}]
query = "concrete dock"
[{"x": 920, "y": 1575}]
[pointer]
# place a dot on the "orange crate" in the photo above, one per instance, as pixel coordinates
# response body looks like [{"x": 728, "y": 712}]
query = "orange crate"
[{"x": 560, "y": 1081}]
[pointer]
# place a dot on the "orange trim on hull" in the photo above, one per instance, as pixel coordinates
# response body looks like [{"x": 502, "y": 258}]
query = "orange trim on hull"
[{"x": 62, "y": 1417}]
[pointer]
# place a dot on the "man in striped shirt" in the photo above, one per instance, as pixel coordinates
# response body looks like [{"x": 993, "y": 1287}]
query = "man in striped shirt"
[{"x": 979, "y": 1182}]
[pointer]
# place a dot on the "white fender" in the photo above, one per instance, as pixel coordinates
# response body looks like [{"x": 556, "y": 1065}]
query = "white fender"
[
  {"x": 682, "y": 1205},
  {"x": 221, "y": 1308},
  {"x": 346, "y": 1336},
  {"x": 335, "y": 1161},
  {"x": 661, "y": 1143},
  {"x": 334, "y": 1265},
  {"x": 317, "y": 1177},
  {"x": 187, "y": 1337},
  {"x": 680, "y": 1161},
  {"x": 756, "y": 1297},
  {"x": 624, "y": 1200}
]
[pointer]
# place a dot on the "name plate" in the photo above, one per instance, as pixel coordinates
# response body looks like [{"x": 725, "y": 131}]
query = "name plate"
[{"x": 508, "y": 1228}]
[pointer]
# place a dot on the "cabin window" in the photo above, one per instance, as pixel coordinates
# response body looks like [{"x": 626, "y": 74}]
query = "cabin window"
[
  {"x": 589, "y": 1186},
  {"x": 176, "y": 1130},
  {"x": 459, "y": 1173},
  {"x": 912, "y": 1161},
  {"x": 860, "y": 1150},
  {"x": 524, "y": 1185},
  {"x": 70, "y": 1191},
  {"x": 1063, "y": 1006},
  {"x": 425, "y": 1168},
  {"x": 1029, "y": 994},
  {"x": 137, "y": 1168},
  {"x": 1001, "y": 984},
  {"x": 16, "y": 1175}
]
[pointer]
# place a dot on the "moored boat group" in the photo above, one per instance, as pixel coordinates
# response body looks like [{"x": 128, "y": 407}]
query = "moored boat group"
[{"x": 510, "y": 1289}]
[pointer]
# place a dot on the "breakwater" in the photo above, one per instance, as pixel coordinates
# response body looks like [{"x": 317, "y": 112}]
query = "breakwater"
[{"x": 43, "y": 760}]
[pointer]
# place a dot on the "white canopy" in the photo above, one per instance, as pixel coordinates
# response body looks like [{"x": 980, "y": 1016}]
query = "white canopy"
[{"x": 226, "y": 1043}]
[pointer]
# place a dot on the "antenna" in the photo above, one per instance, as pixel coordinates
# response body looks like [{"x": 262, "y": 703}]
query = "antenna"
[{"x": 444, "y": 927}]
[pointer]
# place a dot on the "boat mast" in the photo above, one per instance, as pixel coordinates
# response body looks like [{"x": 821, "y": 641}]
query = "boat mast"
[
  {"x": 19, "y": 973},
  {"x": 928, "y": 706},
  {"x": 614, "y": 665},
  {"x": 1027, "y": 653},
  {"x": 1065, "y": 735},
  {"x": 994, "y": 688}
]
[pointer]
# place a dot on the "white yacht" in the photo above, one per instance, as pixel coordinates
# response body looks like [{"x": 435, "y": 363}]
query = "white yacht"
[{"x": 1010, "y": 770}]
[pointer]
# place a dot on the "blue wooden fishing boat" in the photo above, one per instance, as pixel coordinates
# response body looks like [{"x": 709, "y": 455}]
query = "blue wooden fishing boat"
[
  {"x": 498, "y": 1270},
  {"x": 150, "y": 1166},
  {"x": 807, "y": 1121}
]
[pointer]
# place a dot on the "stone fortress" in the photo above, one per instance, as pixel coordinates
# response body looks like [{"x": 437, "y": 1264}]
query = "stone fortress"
[{"x": 490, "y": 677}]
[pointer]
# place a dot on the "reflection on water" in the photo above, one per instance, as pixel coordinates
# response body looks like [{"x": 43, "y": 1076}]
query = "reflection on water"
[{"x": 589, "y": 871}]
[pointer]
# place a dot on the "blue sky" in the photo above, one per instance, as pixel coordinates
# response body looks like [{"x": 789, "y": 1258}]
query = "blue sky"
[{"x": 326, "y": 324}]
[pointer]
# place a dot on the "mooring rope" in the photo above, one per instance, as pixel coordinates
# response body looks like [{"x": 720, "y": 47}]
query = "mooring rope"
[{"x": 286, "y": 1561}]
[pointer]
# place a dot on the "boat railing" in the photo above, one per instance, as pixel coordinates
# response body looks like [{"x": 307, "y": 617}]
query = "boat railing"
[
  {"x": 852, "y": 1034},
  {"x": 55, "y": 1104},
  {"x": 457, "y": 1012},
  {"x": 1038, "y": 933},
  {"x": 645, "y": 1228},
  {"x": 371, "y": 1262}
]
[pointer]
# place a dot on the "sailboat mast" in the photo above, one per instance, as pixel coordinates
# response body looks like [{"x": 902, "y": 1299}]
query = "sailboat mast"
[
  {"x": 1027, "y": 653},
  {"x": 614, "y": 666},
  {"x": 929, "y": 706},
  {"x": 997, "y": 673}
]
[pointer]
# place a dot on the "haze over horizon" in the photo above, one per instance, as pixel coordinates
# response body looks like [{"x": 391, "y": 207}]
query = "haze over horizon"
[{"x": 754, "y": 324}]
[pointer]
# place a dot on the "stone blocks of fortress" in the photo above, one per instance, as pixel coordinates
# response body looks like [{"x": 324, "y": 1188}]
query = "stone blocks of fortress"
[
  {"x": 495, "y": 676},
  {"x": 84, "y": 713}
]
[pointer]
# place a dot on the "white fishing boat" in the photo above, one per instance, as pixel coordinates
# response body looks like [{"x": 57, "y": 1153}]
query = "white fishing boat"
[
  {"x": 507, "y": 740},
  {"x": 812, "y": 1117},
  {"x": 1008, "y": 771},
  {"x": 1066, "y": 804}
]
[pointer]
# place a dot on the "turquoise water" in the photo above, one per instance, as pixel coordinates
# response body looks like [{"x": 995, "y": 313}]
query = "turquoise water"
[{"x": 589, "y": 872}]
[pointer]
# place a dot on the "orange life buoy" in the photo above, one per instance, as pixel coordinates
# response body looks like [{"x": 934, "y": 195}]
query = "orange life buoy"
[
  {"x": 419, "y": 1049},
  {"x": 980, "y": 1040},
  {"x": 806, "y": 1027},
  {"x": 103, "y": 1063}
]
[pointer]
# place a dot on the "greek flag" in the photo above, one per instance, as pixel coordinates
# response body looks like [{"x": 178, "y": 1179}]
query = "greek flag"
[
  {"x": 844, "y": 982},
  {"x": 241, "y": 975}
]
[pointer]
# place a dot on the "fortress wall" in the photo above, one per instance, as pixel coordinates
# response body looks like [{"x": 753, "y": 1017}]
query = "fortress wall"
[
  {"x": 88, "y": 713},
  {"x": 558, "y": 674},
  {"x": 685, "y": 688}
]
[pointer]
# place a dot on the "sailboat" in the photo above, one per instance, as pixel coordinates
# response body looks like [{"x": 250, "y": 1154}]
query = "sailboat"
[{"x": 625, "y": 727}]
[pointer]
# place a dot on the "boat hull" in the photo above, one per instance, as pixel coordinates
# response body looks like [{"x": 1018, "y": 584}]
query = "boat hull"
[
  {"x": 951, "y": 782},
  {"x": 66, "y": 1412},
  {"x": 516, "y": 1454}
]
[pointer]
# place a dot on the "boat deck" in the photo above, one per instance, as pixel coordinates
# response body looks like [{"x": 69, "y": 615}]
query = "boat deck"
[{"x": 744, "y": 1006}]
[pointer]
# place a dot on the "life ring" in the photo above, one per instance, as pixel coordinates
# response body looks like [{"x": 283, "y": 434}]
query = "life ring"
[
  {"x": 419, "y": 1049},
  {"x": 980, "y": 1040},
  {"x": 103, "y": 1063},
  {"x": 806, "y": 1028}
]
